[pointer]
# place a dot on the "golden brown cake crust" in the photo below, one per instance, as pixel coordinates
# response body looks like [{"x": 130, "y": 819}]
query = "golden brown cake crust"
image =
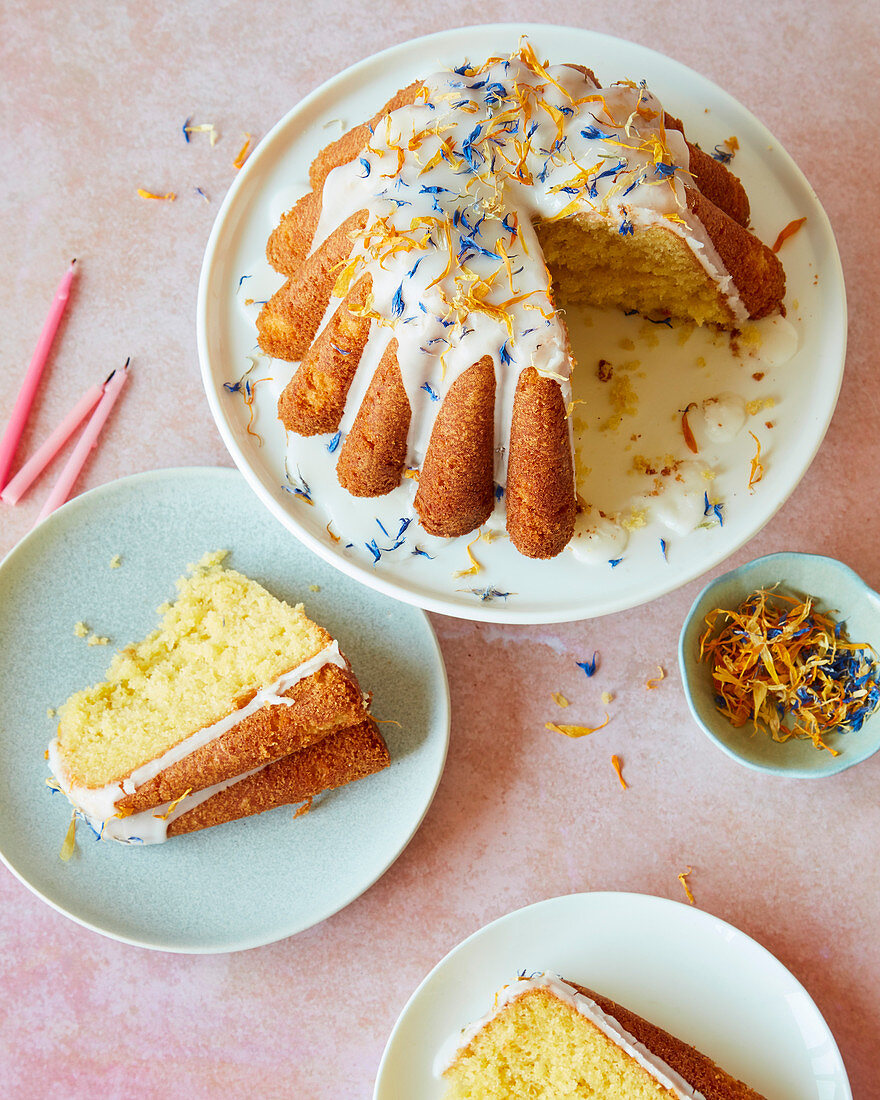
[
  {"x": 541, "y": 503},
  {"x": 313, "y": 401},
  {"x": 291, "y": 240},
  {"x": 373, "y": 455},
  {"x": 339, "y": 758},
  {"x": 756, "y": 271},
  {"x": 713, "y": 178},
  {"x": 456, "y": 488},
  {"x": 697, "y": 1069},
  {"x": 323, "y": 702},
  {"x": 288, "y": 322},
  {"x": 353, "y": 141}
]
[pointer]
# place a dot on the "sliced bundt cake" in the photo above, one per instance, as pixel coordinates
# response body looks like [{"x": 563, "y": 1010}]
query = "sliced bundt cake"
[{"x": 446, "y": 230}]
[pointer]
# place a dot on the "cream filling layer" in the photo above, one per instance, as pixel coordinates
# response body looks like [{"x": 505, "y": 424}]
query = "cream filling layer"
[
  {"x": 664, "y": 1074},
  {"x": 98, "y": 804}
]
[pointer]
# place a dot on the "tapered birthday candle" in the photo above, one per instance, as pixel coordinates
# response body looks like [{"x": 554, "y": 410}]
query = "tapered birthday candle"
[
  {"x": 26, "y": 394},
  {"x": 44, "y": 454},
  {"x": 112, "y": 389}
]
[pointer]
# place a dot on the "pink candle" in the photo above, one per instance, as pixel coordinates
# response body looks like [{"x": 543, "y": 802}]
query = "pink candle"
[
  {"x": 28, "y": 389},
  {"x": 41, "y": 458},
  {"x": 112, "y": 389}
]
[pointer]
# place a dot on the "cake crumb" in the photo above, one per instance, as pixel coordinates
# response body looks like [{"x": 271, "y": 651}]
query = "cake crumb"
[
  {"x": 314, "y": 588},
  {"x": 637, "y": 519},
  {"x": 624, "y": 401},
  {"x": 754, "y": 407},
  {"x": 50, "y": 712},
  {"x": 209, "y": 560},
  {"x": 80, "y": 630},
  {"x": 115, "y": 561},
  {"x": 607, "y": 697},
  {"x": 684, "y": 333},
  {"x": 95, "y": 639},
  {"x": 648, "y": 336}
]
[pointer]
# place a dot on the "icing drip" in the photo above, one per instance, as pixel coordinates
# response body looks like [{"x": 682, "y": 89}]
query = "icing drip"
[
  {"x": 98, "y": 804},
  {"x": 659, "y": 1070},
  {"x": 151, "y": 826}
]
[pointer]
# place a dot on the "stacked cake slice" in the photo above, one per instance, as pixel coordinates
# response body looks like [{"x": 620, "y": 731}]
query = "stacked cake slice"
[{"x": 236, "y": 704}]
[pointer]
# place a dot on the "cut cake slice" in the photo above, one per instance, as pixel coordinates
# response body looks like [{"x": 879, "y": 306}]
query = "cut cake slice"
[
  {"x": 336, "y": 760},
  {"x": 550, "y": 1039},
  {"x": 232, "y": 680}
]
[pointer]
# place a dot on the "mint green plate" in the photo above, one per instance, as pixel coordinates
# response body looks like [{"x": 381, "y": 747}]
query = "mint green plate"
[
  {"x": 837, "y": 590},
  {"x": 248, "y": 882}
]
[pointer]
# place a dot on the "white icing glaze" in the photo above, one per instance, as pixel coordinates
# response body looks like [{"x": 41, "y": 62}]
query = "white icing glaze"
[
  {"x": 723, "y": 417},
  {"x": 597, "y": 540},
  {"x": 659, "y": 1070},
  {"x": 98, "y": 804},
  {"x": 151, "y": 826},
  {"x": 683, "y": 508},
  {"x": 775, "y": 338},
  {"x": 452, "y": 185}
]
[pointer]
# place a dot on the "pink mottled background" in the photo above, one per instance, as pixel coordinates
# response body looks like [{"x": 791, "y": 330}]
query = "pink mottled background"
[{"x": 93, "y": 97}]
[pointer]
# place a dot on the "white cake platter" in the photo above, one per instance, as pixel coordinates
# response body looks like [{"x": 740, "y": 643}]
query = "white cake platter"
[
  {"x": 378, "y": 541},
  {"x": 690, "y": 973}
]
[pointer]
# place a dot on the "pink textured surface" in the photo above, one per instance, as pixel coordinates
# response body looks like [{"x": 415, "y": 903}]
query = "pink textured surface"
[{"x": 94, "y": 97}]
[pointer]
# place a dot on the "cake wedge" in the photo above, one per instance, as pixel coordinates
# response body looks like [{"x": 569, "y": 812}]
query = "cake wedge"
[
  {"x": 550, "y": 1039},
  {"x": 335, "y": 761},
  {"x": 231, "y": 681}
]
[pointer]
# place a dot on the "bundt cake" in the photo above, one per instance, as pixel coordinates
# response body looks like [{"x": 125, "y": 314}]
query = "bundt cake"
[
  {"x": 232, "y": 680},
  {"x": 436, "y": 242},
  {"x": 550, "y": 1039}
]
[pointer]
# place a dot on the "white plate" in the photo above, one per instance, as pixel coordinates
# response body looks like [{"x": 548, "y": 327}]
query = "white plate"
[
  {"x": 680, "y": 968},
  {"x": 805, "y": 389},
  {"x": 248, "y": 882}
]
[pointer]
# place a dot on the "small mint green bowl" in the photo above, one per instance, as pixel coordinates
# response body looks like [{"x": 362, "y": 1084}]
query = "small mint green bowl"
[{"x": 838, "y": 591}]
